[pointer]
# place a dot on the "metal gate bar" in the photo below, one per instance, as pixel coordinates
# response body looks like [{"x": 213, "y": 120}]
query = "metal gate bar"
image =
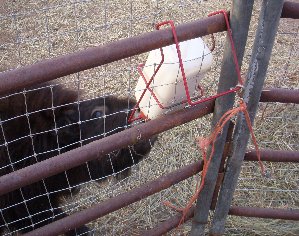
[
  {"x": 270, "y": 213},
  {"x": 239, "y": 20},
  {"x": 51, "y": 69},
  {"x": 280, "y": 95},
  {"x": 98, "y": 149},
  {"x": 163, "y": 182},
  {"x": 290, "y": 10},
  {"x": 72, "y": 63},
  {"x": 264, "y": 40},
  {"x": 273, "y": 156},
  {"x": 113, "y": 204}
]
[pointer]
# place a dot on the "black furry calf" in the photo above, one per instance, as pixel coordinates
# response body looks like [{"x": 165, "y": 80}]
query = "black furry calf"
[{"x": 42, "y": 123}]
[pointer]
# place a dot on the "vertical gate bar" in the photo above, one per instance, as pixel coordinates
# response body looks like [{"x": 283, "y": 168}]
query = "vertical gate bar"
[
  {"x": 263, "y": 44},
  {"x": 239, "y": 20},
  {"x": 225, "y": 154}
]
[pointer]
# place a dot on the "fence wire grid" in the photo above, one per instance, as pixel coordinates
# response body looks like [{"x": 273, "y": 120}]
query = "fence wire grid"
[{"x": 35, "y": 30}]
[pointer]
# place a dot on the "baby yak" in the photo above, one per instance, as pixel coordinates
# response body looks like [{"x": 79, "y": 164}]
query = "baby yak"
[{"x": 42, "y": 123}]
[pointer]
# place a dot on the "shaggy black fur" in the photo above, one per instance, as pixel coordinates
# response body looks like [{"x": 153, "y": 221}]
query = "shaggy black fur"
[{"x": 41, "y": 140}]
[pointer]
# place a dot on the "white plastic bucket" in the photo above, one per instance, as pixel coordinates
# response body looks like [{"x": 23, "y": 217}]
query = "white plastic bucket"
[{"x": 168, "y": 83}]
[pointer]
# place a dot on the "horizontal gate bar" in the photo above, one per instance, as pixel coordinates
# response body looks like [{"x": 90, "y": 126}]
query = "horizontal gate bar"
[
  {"x": 50, "y": 69},
  {"x": 280, "y": 95},
  {"x": 168, "y": 224},
  {"x": 273, "y": 156},
  {"x": 106, "y": 207},
  {"x": 98, "y": 149},
  {"x": 290, "y": 10},
  {"x": 43, "y": 71},
  {"x": 269, "y": 213},
  {"x": 98, "y": 210}
]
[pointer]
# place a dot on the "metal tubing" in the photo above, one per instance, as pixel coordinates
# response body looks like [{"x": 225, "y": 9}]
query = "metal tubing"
[
  {"x": 225, "y": 154},
  {"x": 47, "y": 70},
  {"x": 264, "y": 40},
  {"x": 169, "y": 224},
  {"x": 172, "y": 222},
  {"x": 148, "y": 189},
  {"x": 98, "y": 210},
  {"x": 289, "y": 214},
  {"x": 290, "y": 10},
  {"x": 239, "y": 21},
  {"x": 280, "y": 95},
  {"x": 125, "y": 199},
  {"x": 51, "y": 69},
  {"x": 98, "y": 149},
  {"x": 273, "y": 156}
]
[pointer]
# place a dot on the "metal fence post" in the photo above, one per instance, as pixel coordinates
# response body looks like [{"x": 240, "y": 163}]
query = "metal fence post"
[
  {"x": 264, "y": 40},
  {"x": 240, "y": 16}
]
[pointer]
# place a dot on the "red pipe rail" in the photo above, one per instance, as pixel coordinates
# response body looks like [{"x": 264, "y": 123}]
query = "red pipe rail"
[
  {"x": 290, "y": 10},
  {"x": 172, "y": 222},
  {"x": 51, "y": 69},
  {"x": 280, "y": 95},
  {"x": 266, "y": 155},
  {"x": 273, "y": 156},
  {"x": 284, "y": 214},
  {"x": 61, "y": 66},
  {"x": 98, "y": 210},
  {"x": 168, "y": 224},
  {"x": 98, "y": 149}
]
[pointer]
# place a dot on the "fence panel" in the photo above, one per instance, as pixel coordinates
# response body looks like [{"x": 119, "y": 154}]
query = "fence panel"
[{"x": 32, "y": 31}]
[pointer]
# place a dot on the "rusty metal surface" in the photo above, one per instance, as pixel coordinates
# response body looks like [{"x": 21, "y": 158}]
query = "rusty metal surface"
[
  {"x": 273, "y": 156},
  {"x": 169, "y": 224},
  {"x": 98, "y": 149},
  {"x": 125, "y": 199},
  {"x": 280, "y": 95},
  {"x": 239, "y": 21},
  {"x": 98, "y": 210},
  {"x": 284, "y": 214},
  {"x": 216, "y": 190},
  {"x": 43, "y": 71},
  {"x": 226, "y": 151},
  {"x": 50, "y": 69},
  {"x": 266, "y": 31},
  {"x": 266, "y": 155},
  {"x": 290, "y": 10},
  {"x": 270, "y": 213}
]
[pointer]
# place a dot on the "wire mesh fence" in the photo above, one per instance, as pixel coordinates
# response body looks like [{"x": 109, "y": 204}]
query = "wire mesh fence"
[
  {"x": 36, "y": 30},
  {"x": 276, "y": 128}
]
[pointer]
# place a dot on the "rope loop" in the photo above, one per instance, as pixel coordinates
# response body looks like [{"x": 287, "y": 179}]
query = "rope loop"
[{"x": 204, "y": 143}]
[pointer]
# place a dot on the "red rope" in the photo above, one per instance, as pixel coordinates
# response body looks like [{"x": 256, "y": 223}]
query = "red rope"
[
  {"x": 204, "y": 143},
  {"x": 230, "y": 35}
]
